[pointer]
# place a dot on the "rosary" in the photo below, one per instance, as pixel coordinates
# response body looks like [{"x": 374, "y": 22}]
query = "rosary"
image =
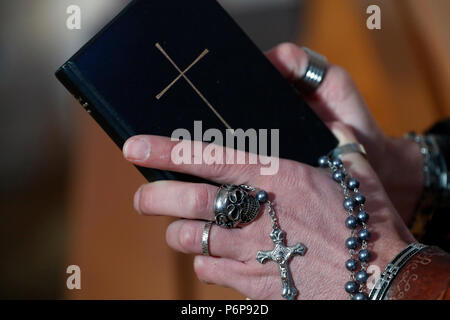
[{"x": 356, "y": 217}]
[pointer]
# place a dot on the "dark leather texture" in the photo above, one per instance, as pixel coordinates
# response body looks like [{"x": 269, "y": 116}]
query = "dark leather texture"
[
  {"x": 119, "y": 73},
  {"x": 426, "y": 276}
]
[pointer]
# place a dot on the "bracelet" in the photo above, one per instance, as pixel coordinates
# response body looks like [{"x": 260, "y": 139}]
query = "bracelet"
[
  {"x": 426, "y": 276},
  {"x": 392, "y": 269},
  {"x": 435, "y": 167},
  {"x": 436, "y": 184}
]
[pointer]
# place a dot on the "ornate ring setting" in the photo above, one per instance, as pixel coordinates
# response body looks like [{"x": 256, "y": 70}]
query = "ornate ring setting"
[{"x": 235, "y": 205}]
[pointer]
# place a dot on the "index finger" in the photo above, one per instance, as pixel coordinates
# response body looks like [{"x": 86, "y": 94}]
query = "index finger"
[{"x": 208, "y": 161}]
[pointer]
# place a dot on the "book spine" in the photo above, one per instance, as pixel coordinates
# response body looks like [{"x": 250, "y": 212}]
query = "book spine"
[
  {"x": 69, "y": 76},
  {"x": 72, "y": 80}
]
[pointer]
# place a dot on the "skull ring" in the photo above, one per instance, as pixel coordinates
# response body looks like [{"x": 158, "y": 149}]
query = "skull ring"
[{"x": 234, "y": 205}]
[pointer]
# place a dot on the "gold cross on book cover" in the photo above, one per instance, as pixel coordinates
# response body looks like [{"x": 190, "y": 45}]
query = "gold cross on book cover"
[{"x": 183, "y": 74}]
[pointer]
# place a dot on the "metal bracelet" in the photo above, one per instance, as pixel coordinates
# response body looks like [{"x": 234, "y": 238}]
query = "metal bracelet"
[
  {"x": 392, "y": 269},
  {"x": 435, "y": 167},
  {"x": 435, "y": 196}
]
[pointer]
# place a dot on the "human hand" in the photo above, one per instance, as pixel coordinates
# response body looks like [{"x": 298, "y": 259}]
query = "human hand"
[
  {"x": 397, "y": 162},
  {"x": 309, "y": 209}
]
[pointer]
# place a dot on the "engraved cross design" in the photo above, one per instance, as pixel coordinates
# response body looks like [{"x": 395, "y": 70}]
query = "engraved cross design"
[
  {"x": 281, "y": 254},
  {"x": 183, "y": 75}
]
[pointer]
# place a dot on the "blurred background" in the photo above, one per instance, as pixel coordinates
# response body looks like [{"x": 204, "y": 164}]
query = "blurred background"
[{"x": 65, "y": 191}]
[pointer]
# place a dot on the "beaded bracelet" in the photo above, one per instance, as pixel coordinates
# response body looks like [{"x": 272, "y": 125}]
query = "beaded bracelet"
[{"x": 357, "y": 219}]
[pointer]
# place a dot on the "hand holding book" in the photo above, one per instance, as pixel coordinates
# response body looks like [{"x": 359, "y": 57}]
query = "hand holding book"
[{"x": 309, "y": 202}]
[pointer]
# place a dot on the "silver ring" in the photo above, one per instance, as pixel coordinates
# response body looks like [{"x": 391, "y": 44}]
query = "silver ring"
[
  {"x": 348, "y": 148},
  {"x": 315, "y": 72},
  {"x": 205, "y": 238},
  {"x": 235, "y": 205}
]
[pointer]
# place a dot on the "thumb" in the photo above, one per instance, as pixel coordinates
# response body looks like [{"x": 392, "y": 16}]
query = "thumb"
[
  {"x": 336, "y": 99},
  {"x": 337, "y": 95}
]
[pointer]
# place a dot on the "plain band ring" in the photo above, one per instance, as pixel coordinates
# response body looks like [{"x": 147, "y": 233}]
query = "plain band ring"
[
  {"x": 315, "y": 72},
  {"x": 348, "y": 148},
  {"x": 205, "y": 238}
]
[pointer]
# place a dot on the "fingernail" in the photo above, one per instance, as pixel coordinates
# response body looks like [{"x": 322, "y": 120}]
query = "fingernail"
[
  {"x": 137, "y": 149},
  {"x": 136, "y": 200}
]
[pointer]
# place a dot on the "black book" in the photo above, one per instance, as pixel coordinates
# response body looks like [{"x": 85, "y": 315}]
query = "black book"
[{"x": 161, "y": 65}]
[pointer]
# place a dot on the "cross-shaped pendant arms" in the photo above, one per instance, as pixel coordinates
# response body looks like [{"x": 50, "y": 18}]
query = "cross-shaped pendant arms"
[{"x": 281, "y": 254}]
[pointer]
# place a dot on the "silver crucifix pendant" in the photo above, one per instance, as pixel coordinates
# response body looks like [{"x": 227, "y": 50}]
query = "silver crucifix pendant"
[{"x": 281, "y": 254}]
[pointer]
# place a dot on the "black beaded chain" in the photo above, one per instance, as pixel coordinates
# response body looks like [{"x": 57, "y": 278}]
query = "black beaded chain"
[{"x": 357, "y": 223}]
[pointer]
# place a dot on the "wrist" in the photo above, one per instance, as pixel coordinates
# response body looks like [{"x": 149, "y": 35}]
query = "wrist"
[
  {"x": 402, "y": 175},
  {"x": 393, "y": 236}
]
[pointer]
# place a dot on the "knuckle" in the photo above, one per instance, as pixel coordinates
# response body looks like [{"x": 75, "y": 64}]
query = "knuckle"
[
  {"x": 229, "y": 169},
  {"x": 338, "y": 84},
  {"x": 218, "y": 170},
  {"x": 345, "y": 79},
  {"x": 286, "y": 50},
  {"x": 342, "y": 74},
  {"x": 188, "y": 237},
  {"x": 290, "y": 55},
  {"x": 236, "y": 164},
  {"x": 242, "y": 172},
  {"x": 197, "y": 198}
]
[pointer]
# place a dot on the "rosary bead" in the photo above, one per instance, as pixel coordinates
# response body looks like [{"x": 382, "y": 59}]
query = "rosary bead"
[
  {"x": 359, "y": 198},
  {"x": 360, "y": 296},
  {"x": 338, "y": 176},
  {"x": 336, "y": 162},
  {"x": 262, "y": 196},
  {"x": 363, "y": 216},
  {"x": 351, "y": 243},
  {"x": 351, "y": 222},
  {"x": 349, "y": 204},
  {"x": 361, "y": 276},
  {"x": 364, "y": 255},
  {"x": 352, "y": 204},
  {"x": 323, "y": 162},
  {"x": 351, "y": 287},
  {"x": 351, "y": 264},
  {"x": 352, "y": 183},
  {"x": 364, "y": 235}
]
